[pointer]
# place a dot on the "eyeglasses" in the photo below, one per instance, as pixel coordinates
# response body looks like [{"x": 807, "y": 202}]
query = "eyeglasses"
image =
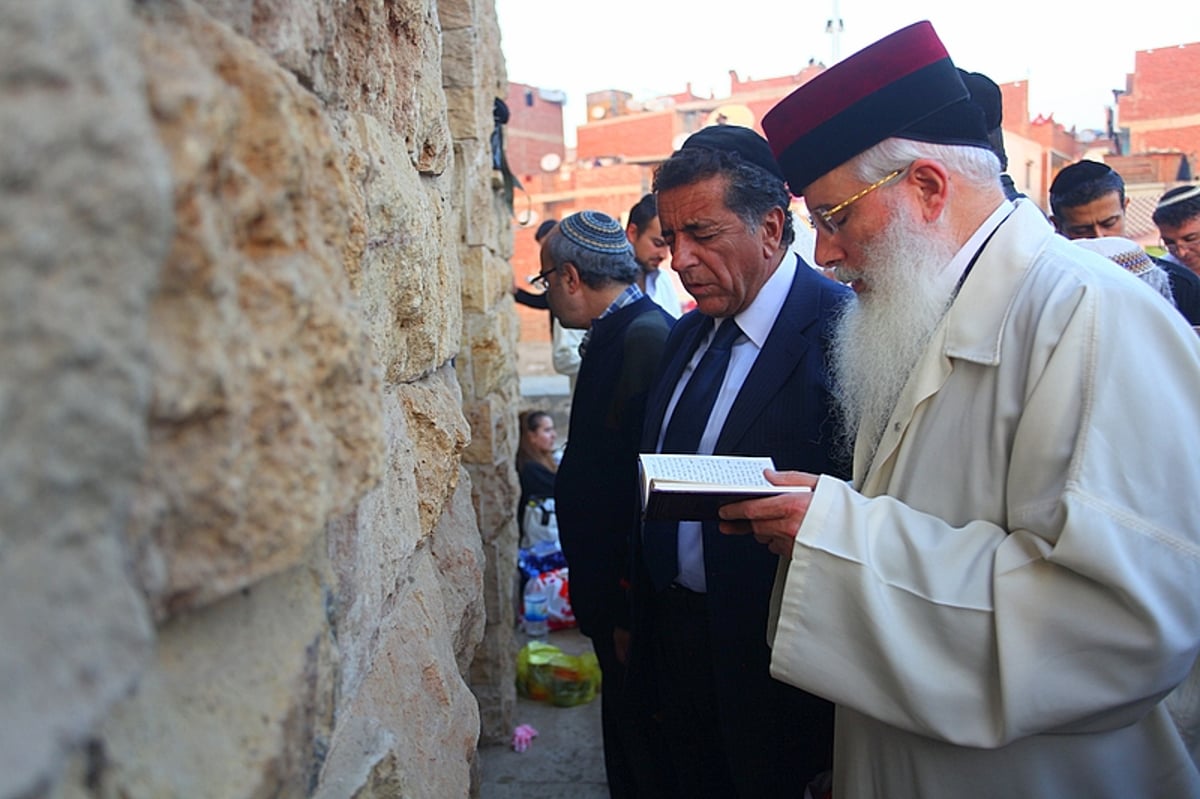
[
  {"x": 824, "y": 217},
  {"x": 543, "y": 278},
  {"x": 1189, "y": 242}
]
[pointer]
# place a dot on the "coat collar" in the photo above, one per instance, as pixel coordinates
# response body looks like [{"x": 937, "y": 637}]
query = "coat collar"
[{"x": 975, "y": 322}]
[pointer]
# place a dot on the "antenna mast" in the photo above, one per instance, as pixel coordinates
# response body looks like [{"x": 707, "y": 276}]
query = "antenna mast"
[{"x": 834, "y": 27}]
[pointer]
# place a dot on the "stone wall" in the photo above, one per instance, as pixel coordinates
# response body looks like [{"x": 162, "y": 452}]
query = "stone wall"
[{"x": 257, "y": 399}]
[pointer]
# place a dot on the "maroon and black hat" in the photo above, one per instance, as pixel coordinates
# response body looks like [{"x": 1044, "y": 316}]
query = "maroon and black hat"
[{"x": 903, "y": 85}]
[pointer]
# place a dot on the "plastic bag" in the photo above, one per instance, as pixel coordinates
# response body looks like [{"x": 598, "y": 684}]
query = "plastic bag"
[
  {"x": 555, "y": 586},
  {"x": 541, "y": 557},
  {"x": 539, "y": 522},
  {"x": 546, "y": 674}
]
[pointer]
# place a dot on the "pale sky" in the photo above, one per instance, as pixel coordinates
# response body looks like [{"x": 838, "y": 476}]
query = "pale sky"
[{"x": 1073, "y": 54}]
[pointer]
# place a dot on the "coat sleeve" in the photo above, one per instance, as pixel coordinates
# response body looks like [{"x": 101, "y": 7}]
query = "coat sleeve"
[{"x": 1077, "y": 612}]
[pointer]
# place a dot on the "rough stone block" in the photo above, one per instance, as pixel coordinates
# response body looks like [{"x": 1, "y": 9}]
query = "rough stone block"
[
  {"x": 455, "y": 14},
  {"x": 409, "y": 279},
  {"x": 85, "y": 223},
  {"x": 266, "y": 414},
  {"x": 438, "y": 433},
  {"x": 410, "y": 706},
  {"x": 492, "y": 354},
  {"x": 496, "y": 494},
  {"x": 460, "y": 58},
  {"x": 459, "y": 555},
  {"x": 239, "y": 701}
]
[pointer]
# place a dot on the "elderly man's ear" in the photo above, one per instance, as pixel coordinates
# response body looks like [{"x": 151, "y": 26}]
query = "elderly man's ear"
[{"x": 932, "y": 182}]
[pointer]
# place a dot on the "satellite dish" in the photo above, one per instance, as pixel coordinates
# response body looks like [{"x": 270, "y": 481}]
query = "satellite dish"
[
  {"x": 731, "y": 114},
  {"x": 551, "y": 162},
  {"x": 598, "y": 112}
]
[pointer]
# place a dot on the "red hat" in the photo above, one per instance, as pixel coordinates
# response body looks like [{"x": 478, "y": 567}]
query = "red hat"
[{"x": 903, "y": 85}]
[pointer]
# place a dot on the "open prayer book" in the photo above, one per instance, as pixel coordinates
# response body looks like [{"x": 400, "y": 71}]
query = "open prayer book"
[{"x": 690, "y": 488}]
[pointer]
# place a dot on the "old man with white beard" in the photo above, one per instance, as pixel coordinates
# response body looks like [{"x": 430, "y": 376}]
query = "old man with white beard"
[{"x": 1001, "y": 599}]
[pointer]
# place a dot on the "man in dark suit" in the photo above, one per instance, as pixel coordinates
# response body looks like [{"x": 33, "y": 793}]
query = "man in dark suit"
[
  {"x": 589, "y": 272},
  {"x": 731, "y": 729}
]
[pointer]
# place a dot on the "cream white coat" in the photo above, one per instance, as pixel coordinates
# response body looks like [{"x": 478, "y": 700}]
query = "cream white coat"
[{"x": 1001, "y": 606}]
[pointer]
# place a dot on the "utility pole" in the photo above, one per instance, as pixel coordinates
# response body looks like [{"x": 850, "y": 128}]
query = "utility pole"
[{"x": 834, "y": 27}]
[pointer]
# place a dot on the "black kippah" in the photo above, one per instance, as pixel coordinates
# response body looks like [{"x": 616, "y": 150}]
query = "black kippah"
[
  {"x": 736, "y": 139},
  {"x": 1075, "y": 175},
  {"x": 985, "y": 94}
]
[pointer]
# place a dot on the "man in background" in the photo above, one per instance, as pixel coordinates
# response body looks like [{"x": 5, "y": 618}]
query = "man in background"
[
  {"x": 986, "y": 94},
  {"x": 744, "y": 374},
  {"x": 1178, "y": 218},
  {"x": 650, "y": 250},
  {"x": 564, "y": 342},
  {"x": 1087, "y": 201},
  {"x": 589, "y": 272}
]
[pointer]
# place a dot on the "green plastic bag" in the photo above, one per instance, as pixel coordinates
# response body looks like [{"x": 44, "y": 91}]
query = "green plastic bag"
[{"x": 546, "y": 674}]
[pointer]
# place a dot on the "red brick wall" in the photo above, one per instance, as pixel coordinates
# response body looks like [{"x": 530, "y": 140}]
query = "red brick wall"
[
  {"x": 533, "y": 130},
  {"x": 1014, "y": 107},
  {"x": 1163, "y": 84},
  {"x": 1162, "y": 106},
  {"x": 738, "y": 86},
  {"x": 633, "y": 136}
]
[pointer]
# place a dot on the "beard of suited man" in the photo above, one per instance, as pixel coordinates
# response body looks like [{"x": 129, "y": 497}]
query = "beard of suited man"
[
  {"x": 893, "y": 247},
  {"x": 721, "y": 259}
]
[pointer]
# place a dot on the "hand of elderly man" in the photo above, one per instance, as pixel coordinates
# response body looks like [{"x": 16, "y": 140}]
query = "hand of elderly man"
[{"x": 773, "y": 521}]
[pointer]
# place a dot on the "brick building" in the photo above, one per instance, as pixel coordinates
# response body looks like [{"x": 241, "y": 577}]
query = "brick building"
[
  {"x": 1160, "y": 108},
  {"x": 1155, "y": 144}
]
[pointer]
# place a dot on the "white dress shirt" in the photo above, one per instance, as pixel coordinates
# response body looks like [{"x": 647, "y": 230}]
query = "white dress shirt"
[{"x": 756, "y": 322}]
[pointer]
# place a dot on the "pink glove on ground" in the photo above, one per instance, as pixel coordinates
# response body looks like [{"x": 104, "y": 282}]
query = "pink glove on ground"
[{"x": 522, "y": 736}]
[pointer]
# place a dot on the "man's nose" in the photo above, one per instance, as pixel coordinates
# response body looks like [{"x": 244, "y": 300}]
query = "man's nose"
[
  {"x": 827, "y": 252},
  {"x": 682, "y": 255}
]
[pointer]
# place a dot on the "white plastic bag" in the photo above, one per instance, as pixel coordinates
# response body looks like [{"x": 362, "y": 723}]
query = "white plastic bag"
[{"x": 540, "y": 522}]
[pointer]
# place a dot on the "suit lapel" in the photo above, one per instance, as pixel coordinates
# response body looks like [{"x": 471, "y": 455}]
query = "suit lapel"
[
  {"x": 789, "y": 339},
  {"x": 656, "y": 406}
]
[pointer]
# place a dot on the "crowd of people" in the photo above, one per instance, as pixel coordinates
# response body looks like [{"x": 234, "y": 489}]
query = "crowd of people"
[{"x": 990, "y": 588}]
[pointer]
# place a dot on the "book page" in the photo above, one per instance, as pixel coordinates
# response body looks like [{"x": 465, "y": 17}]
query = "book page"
[{"x": 709, "y": 469}]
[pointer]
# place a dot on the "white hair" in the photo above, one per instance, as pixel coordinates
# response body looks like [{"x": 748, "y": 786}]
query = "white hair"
[{"x": 977, "y": 166}]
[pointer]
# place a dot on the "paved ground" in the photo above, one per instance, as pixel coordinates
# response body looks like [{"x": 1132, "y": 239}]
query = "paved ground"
[{"x": 565, "y": 760}]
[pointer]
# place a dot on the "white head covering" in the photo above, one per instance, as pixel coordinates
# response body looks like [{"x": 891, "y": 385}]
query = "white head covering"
[{"x": 1131, "y": 257}]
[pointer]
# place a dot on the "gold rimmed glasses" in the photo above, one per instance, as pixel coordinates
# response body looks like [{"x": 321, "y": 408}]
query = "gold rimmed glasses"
[{"x": 824, "y": 216}]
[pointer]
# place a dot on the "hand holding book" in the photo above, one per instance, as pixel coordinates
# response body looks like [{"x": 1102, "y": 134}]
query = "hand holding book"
[
  {"x": 695, "y": 487},
  {"x": 773, "y": 521}
]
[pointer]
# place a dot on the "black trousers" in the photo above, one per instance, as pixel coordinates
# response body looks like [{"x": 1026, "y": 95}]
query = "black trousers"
[
  {"x": 768, "y": 744},
  {"x": 691, "y": 721},
  {"x": 636, "y": 763}
]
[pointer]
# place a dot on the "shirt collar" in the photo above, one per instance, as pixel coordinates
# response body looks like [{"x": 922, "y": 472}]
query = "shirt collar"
[
  {"x": 757, "y": 320},
  {"x": 629, "y": 296}
]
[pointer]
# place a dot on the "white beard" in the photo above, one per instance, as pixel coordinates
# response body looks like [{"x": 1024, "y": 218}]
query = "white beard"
[{"x": 879, "y": 338}]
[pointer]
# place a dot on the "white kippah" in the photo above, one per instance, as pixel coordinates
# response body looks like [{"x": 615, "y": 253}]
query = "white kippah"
[
  {"x": 1190, "y": 194},
  {"x": 1128, "y": 254}
]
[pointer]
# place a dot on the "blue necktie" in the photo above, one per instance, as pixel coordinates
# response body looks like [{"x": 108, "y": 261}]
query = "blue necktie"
[
  {"x": 695, "y": 404},
  {"x": 682, "y": 436}
]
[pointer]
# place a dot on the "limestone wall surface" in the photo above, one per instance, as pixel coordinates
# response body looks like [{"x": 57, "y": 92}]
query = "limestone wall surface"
[{"x": 257, "y": 399}]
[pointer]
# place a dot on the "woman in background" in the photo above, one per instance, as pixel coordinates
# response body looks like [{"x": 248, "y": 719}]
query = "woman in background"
[{"x": 536, "y": 464}]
